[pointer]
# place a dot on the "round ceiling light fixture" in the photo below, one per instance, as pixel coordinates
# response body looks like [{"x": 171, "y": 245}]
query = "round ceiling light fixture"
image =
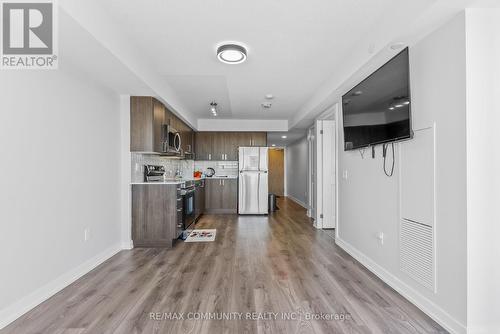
[{"x": 231, "y": 53}]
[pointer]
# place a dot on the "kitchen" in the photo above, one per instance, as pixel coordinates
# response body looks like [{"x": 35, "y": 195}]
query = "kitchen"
[{"x": 178, "y": 174}]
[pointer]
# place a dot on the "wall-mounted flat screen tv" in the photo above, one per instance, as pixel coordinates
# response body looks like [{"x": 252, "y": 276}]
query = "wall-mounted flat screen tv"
[{"x": 377, "y": 110}]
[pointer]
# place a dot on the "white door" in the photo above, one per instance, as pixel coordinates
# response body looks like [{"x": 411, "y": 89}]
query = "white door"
[
  {"x": 311, "y": 137},
  {"x": 324, "y": 174},
  {"x": 328, "y": 173}
]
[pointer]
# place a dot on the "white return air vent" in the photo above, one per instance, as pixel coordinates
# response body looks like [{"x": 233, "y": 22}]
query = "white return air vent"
[{"x": 417, "y": 252}]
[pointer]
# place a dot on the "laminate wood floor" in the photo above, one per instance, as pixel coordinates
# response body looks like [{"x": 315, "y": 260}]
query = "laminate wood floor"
[{"x": 277, "y": 264}]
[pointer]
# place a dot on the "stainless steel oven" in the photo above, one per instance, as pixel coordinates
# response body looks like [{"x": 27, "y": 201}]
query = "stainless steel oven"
[{"x": 171, "y": 140}]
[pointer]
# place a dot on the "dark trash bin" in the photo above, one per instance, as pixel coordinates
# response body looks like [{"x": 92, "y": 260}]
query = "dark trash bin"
[{"x": 272, "y": 203}]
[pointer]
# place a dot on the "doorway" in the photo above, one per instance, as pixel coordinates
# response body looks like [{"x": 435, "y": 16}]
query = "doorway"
[
  {"x": 322, "y": 171},
  {"x": 276, "y": 169}
]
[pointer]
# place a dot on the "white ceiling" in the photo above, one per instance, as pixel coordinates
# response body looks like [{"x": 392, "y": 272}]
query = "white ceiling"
[
  {"x": 305, "y": 53},
  {"x": 293, "y": 47},
  {"x": 291, "y": 137}
]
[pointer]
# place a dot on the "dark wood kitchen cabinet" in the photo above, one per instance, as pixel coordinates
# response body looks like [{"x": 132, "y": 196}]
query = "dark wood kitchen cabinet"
[
  {"x": 186, "y": 134},
  {"x": 224, "y": 145},
  {"x": 230, "y": 195},
  {"x": 213, "y": 195},
  {"x": 155, "y": 215},
  {"x": 203, "y": 145},
  {"x": 217, "y": 146},
  {"x": 232, "y": 143},
  {"x": 259, "y": 139},
  {"x": 221, "y": 196},
  {"x": 199, "y": 199},
  {"x": 147, "y": 118},
  {"x": 185, "y": 131},
  {"x": 251, "y": 138}
]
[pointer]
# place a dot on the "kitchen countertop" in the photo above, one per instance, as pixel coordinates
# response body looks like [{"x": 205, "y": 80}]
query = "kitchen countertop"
[
  {"x": 161, "y": 182},
  {"x": 184, "y": 180},
  {"x": 222, "y": 177}
]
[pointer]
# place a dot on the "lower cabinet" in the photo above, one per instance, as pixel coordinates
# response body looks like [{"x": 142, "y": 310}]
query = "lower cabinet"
[
  {"x": 199, "y": 199},
  {"x": 155, "y": 214},
  {"x": 221, "y": 195}
]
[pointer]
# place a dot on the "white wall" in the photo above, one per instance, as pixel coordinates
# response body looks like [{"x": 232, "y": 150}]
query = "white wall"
[
  {"x": 483, "y": 168},
  {"x": 296, "y": 160},
  {"x": 369, "y": 201},
  {"x": 60, "y": 174}
]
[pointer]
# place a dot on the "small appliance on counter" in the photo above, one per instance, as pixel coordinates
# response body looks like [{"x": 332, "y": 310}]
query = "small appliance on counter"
[
  {"x": 154, "y": 173},
  {"x": 210, "y": 172}
]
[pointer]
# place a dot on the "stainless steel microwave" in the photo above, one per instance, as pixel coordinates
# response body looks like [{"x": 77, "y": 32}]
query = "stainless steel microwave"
[{"x": 171, "y": 140}]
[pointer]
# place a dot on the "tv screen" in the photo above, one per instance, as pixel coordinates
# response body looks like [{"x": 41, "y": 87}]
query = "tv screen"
[{"x": 377, "y": 110}]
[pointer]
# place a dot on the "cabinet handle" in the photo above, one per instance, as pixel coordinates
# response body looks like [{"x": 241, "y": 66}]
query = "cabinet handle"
[
  {"x": 222, "y": 156},
  {"x": 179, "y": 210},
  {"x": 209, "y": 156},
  {"x": 179, "y": 199},
  {"x": 222, "y": 182}
]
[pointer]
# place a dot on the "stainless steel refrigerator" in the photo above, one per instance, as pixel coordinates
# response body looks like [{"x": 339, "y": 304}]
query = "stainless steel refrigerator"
[{"x": 252, "y": 182}]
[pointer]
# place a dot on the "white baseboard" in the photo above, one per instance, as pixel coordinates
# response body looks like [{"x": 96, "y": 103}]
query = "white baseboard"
[
  {"x": 483, "y": 330},
  {"x": 428, "y": 307},
  {"x": 17, "y": 309},
  {"x": 299, "y": 202},
  {"x": 127, "y": 245}
]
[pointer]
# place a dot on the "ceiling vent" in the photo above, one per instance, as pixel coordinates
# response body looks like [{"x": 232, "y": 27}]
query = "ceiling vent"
[{"x": 266, "y": 105}]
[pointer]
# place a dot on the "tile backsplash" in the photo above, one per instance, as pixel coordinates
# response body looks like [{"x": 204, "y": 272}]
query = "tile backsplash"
[
  {"x": 138, "y": 161},
  {"x": 186, "y": 167},
  {"x": 222, "y": 168}
]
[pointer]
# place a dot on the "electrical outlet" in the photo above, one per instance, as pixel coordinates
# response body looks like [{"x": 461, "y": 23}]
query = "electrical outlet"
[
  {"x": 86, "y": 234},
  {"x": 380, "y": 237}
]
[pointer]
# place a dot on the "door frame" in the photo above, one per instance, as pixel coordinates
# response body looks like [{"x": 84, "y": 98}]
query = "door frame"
[
  {"x": 310, "y": 172},
  {"x": 283, "y": 148},
  {"x": 315, "y": 174}
]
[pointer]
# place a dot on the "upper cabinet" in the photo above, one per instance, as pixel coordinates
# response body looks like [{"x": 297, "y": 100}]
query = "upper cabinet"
[
  {"x": 259, "y": 139},
  {"x": 224, "y": 145},
  {"x": 204, "y": 143},
  {"x": 144, "y": 126},
  {"x": 147, "y": 119}
]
